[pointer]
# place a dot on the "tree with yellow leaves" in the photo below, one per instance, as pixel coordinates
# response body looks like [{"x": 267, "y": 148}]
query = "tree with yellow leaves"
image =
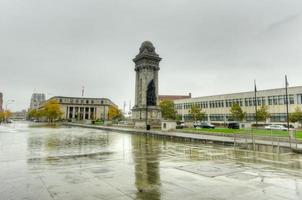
[
  {"x": 115, "y": 113},
  {"x": 52, "y": 110},
  {"x": 5, "y": 115}
]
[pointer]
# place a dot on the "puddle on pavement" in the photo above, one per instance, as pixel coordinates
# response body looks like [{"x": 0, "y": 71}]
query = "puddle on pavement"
[{"x": 48, "y": 148}]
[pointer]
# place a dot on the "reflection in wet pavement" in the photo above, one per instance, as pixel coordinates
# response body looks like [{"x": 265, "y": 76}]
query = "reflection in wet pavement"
[{"x": 76, "y": 163}]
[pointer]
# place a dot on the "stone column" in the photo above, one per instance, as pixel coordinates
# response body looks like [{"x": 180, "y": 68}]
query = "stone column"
[
  {"x": 73, "y": 112},
  {"x": 84, "y": 113},
  {"x": 89, "y": 113},
  {"x": 95, "y": 112},
  {"x": 67, "y": 112}
]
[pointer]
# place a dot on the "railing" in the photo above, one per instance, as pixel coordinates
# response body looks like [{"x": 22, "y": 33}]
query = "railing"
[{"x": 249, "y": 138}]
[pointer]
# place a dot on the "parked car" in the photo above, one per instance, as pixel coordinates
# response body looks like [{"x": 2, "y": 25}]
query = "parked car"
[
  {"x": 234, "y": 125},
  {"x": 204, "y": 125},
  {"x": 9, "y": 121},
  {"x": 197, "y": 123},
  {"x": 276, "y": 127},
  {"x": 180, "y": 125},
  {"x": 290, "y": 126}
]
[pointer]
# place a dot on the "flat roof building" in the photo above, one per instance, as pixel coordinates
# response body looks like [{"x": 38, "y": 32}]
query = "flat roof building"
[
  {"x": 83, "y": 108},
  {"x": 217, "y": 107},
  {"x": 173, "y": 97}
]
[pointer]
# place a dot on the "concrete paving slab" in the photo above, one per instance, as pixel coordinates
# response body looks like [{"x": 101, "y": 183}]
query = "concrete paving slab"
[{"x": 79, "y": 163}]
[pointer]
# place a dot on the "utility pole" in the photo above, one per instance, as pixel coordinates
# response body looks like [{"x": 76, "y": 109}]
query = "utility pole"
[
  {"x": 286, "y": 99},
  {"x": 255, "y": 91}
]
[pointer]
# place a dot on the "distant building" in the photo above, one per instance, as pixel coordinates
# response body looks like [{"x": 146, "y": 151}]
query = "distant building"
[
  {"x": 19, "y": 115},
  {"x": 174, "y": 97},
  {"x": 1, "y": 102},
  {"x": 82, "y": 108},
  {"x": 36, "y": 100},
  {"x": 217, "y": 107}
]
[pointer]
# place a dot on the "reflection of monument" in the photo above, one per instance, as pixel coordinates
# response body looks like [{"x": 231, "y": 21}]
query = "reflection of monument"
[
  {"x": 146, "y": 87},
  {"x": 146, "y": 152}
]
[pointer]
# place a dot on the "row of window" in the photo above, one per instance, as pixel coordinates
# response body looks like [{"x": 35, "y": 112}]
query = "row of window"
[
  {"x": 280, "y": 100},
  {"x": 79, "y": 101},
  {"x": 272, "y": 100},
  {"x": 250, "y": 117}
]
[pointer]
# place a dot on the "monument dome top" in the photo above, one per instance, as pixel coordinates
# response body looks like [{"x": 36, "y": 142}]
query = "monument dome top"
[{"x": 147, "y": 45}]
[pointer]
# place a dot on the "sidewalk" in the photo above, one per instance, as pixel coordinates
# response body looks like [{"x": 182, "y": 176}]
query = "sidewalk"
[{"x": 215, "y": 138}]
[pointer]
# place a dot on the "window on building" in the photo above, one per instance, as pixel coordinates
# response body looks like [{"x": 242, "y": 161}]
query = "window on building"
[
  {"x": 278, "y": 117},
  {"x": 299, "y": 98},
  {"x": 270, "y": 100},
  {"x": 251, "y": 102},
  {"x": 275, "y": 100},
  {"x": 280, "y": 100},
  {"x": 250, "y": 117},
  {"x": 246, "y": 102},
  {"x": 291, "y": 99},
  {"x": 263, "y": 101},
  {"x": 216, "y": 117}
]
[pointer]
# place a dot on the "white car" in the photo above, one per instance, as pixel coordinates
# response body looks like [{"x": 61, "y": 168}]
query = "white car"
[{"x": 276, "y": 127}]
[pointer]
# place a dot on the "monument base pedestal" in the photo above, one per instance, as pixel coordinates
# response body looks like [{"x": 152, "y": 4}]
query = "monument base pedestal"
[{"x": 153, "y": 117}]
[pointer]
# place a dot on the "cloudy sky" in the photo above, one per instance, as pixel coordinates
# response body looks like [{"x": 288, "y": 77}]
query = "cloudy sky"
[{"x": 208, "y": 46}]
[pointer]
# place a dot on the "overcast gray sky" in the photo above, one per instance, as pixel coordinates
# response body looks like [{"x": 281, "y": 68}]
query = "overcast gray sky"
[{"x": 208, "y": 46}]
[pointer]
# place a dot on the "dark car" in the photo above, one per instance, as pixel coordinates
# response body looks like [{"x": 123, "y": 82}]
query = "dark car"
[
  {"x": 180, "y": 125},
  {"x": 234, "y": 125},
  {"x": 204, "y": 125}
]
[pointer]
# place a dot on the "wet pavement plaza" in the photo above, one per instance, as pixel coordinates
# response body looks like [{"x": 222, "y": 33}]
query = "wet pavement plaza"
[{"x": 64, "y": 163}]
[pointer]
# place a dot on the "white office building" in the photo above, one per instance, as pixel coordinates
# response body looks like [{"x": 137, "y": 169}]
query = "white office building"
[{"x": 217, "y": 107}]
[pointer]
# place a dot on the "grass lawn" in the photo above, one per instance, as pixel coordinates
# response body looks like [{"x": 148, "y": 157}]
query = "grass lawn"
[
  {"x": 99, "y": 123},
  {"x": 244, "y": 131}
]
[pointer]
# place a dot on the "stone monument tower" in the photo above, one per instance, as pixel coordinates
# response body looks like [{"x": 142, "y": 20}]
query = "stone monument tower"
[{"x": 146, "y": 110}]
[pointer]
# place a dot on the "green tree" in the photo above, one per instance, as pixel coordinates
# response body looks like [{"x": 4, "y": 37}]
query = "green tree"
[
  {"x": 237, "y": 112},
  {"x": 296, "y": 116},
  {"x": 196, "y": 113},
  {"x": 51, "y": 110},
  {"x": 263, "y": 113},
  {"x": 178, "y": 117},
  {"x": 32, "y": 114},
  {"x": 168, "y": 109}
]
